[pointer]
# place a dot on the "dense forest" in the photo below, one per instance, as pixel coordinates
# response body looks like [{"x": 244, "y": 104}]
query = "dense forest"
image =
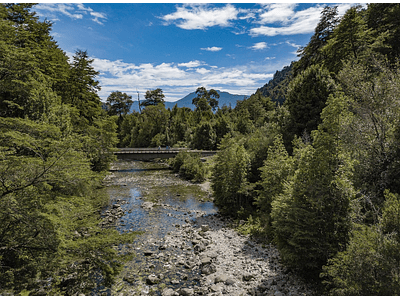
[
  {"x": 54, "y": 152},
  {"x": 311, "y": 161}
]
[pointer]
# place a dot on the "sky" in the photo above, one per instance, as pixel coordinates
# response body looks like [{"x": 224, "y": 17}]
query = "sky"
[{"x": 178, "y": 47}]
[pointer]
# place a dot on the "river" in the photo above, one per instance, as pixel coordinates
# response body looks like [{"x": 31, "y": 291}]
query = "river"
[
  {"x": 132, "y": 185},
  {"x": 185, "y": 246}
]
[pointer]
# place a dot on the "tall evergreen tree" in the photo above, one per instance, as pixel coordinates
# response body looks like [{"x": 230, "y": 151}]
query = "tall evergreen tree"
[{"x": 311, "y": 54}]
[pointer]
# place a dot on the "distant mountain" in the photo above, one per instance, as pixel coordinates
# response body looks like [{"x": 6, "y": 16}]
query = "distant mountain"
[
  {"x": 276, "y": 88},
  {"x": 225, "y": 98}
]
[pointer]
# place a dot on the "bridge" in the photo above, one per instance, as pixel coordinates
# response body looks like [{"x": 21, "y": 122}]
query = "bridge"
[{"x": 152, "y": 153}]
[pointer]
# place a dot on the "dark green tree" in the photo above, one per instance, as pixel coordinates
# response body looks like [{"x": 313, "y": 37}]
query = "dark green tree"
[
  {"x": 311, "y": 54},
  {"x": 119, "y": 104},
  {"x": 153, "y": 97},
  {"x": 311, "y": 217},
  {"x": 82, "y": 88},
  {"x": 205, "y": 99},
  {"x": 306, "y": 98}
]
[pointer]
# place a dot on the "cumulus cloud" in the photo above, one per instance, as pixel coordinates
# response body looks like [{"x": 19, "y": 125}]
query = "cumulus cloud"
[
  {"x": 173, "y": 77},
  {"x": 300, "y": 22},
  {"x": 190, "y": 64},
  {"x": 277, "y": 12},
  {"x": 71, "y": 10},
  {"x": 212, "y": 49},
  {"x": 200, "y": 16},
  {"x": 290, "y": 21},
  {"x": 259, "y": 46}
]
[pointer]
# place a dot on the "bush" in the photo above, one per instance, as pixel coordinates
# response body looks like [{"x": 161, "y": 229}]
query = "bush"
[{"x": 189, "y": 166}]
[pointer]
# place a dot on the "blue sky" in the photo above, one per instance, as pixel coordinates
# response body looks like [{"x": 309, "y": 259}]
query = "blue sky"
[{"x": 232, "y": 47}]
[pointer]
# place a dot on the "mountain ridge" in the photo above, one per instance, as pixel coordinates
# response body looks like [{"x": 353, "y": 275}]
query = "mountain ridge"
[{"x": 225, "y": 98}]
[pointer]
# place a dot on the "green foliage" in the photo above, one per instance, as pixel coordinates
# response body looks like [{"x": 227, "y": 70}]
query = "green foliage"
[
  {"x": 371, "y": 137},
  {"x": 28, "y": 74},
  {"x": 277, "y": 171},
  {"x": 306, "y": 97},
  {"x": 81, "y": 90},
  {"x": 312, "y": 53},
  {"x": 53, "y": 135},
  {"x": 204, "y": 137},
  {"x": 153, "y": 97},
  {"x": 205, "y": 100},
  {"x": 189, "y": 166},
  {"x": 47, "y": 194},
  {"x": 229, "y": 177},
  {"x": 311, "y": 215},
  {"x": 368, "y": 267},
  {"x": 276, "y": 88},
  {"x": 100, "y": 141},
  {"x": 118, "y": 104},
  {"x": 152, "y": 121}
]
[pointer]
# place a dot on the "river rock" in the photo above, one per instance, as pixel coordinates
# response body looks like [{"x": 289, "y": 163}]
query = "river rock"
[
  {"x": 169, "y": 292},
  {"x": 196, "y": 241},
  {"x": 220, "y": 278},
  {"x": 152, "y": 279},
  {"x": 129, "y": 278},
  {"x": 186, "y": 292},
  {"x": 216, "y": 288},
  {"x": 205, "y": 228},
  {"x": 230, "y": 281},
  {"x": 147, "y": 205},
  {"x": 199, "y": 248},
  {"x": 205, "y": 260},
  {"x": 208, "y": 269},
  {"x": 174, "y": 281},
  {"x": 248, "y": 277}
]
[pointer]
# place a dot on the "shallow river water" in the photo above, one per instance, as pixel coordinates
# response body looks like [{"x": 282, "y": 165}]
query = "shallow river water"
[{"x": 133, "y": 184}]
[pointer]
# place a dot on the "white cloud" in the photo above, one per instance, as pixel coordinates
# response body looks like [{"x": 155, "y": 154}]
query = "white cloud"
[
  {"x": 190, "y": 64},
  {"x": 301, "y": 22},
  {"x": 202, "y": 71},
  {"x": 71, "y": 10},
  {"x": 292, "y": 22},
  {"x": 259, "y": 46},
  {"x": 212, "y": 49},
  {"x": 96, "y": 16},
  {"x": 175, "y": 79},
  {"x": 277, "y": 12},
  {"x": 201, "y": 16}
]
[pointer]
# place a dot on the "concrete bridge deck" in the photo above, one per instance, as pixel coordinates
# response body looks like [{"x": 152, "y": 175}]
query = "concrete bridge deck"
[{"x": 152, "y": 153}]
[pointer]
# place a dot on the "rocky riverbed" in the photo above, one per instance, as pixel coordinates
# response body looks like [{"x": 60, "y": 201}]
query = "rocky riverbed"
[{"x": 190, "y": 249}]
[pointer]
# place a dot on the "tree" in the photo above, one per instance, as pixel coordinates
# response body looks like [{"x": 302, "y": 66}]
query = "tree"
[
  {"x": 48, "y": 212},
  {"x": 82, "y": 89},
  {"x": 311, "y": 54},
  {"x": 311, "y": 217},
  {"x": 205, "y": 99},
  {"x": 32, "y": 67},
  {"x": 349, "y": 40},
  {"x": 306, "y": 98},
  {"x": 119, "y": 104},
  {"x": 382, "y": 17},
  {"x": 153, "y": 97},
  {"x": 229, "y": 177},
  {"x": 204, "y": 137},
  {"x": 276, "y": 172}
]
